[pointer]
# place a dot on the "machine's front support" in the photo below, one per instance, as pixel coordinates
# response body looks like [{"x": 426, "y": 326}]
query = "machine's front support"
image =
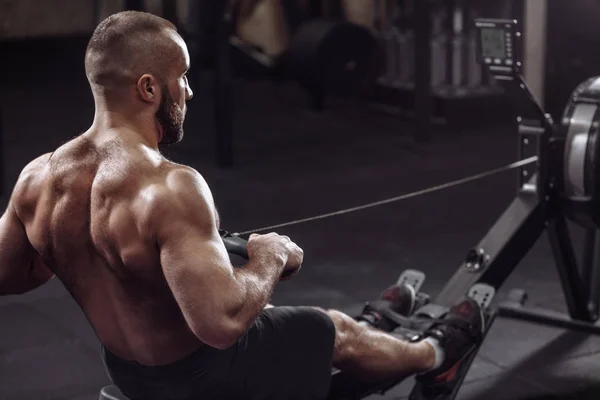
[
  {"x": 577, "y": 294},
  {"x": 514, "y": 309},
  {"x": 579, "y": 288}
]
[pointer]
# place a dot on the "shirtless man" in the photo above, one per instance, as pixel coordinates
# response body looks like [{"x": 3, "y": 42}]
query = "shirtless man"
[{"x": 134, "y": 238}]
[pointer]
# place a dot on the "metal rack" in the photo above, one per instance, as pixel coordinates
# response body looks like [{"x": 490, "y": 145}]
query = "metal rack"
[{"x": 430, "y": 52}]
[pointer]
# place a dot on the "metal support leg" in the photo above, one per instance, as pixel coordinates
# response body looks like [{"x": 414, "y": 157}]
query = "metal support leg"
[
  {"x": 223, "y": 95},
  {"x": 423, "y": 97},
  {"x": 591, "y": 264}
]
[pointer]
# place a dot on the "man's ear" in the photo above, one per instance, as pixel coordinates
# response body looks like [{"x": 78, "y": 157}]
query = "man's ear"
[{"x": 148, "y": 88}]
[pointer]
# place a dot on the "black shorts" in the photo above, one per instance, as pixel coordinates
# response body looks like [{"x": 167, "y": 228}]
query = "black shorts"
[{"x": 286, "y": 354}]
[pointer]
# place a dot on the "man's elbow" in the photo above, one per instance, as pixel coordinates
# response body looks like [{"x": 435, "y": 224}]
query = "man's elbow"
[
  {"x": 13, "y": 287},
  {"x": 220, "y": 336}
]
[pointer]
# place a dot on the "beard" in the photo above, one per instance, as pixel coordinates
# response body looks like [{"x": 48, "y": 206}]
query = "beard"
[{"x": 170, "y": 118}]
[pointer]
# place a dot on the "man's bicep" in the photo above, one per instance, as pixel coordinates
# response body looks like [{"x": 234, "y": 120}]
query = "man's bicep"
[
  {"x": 187, "y": 226},
  {"x": 189, "y": 250},
  {"x": 200, "y": 276}
]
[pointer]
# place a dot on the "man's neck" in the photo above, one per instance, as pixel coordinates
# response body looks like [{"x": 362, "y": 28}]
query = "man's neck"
[{"x": 139, "y": 128}]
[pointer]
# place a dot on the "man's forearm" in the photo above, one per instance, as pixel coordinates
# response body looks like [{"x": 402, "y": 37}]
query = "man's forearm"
[{"x": 257, "y": 280}]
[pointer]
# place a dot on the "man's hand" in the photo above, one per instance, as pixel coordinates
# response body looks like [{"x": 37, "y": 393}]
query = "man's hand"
[{"x": 280, "y": 247}]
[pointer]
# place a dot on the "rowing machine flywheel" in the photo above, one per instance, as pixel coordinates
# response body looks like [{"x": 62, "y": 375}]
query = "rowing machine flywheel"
[{"x": 581, "y": 127}]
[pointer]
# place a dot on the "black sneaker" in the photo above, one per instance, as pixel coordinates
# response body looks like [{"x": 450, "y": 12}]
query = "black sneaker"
[
  {"x": 458, "y": 332},
  {"x": 399, "y": 298}
]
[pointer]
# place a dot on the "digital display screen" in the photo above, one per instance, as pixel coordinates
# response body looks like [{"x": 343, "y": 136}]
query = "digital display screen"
[{"x": 493, "y": 43}]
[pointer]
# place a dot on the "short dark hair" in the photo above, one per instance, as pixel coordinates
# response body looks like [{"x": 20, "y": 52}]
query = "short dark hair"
[{"x": 126, "y": 45}]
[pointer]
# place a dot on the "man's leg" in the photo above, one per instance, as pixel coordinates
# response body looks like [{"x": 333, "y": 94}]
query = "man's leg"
[{"x": 375, "y": 355}]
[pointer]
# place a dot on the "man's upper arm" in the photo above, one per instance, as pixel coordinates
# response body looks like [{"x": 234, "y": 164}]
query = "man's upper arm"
[
  {"x": 193, "y": 257},
  {"x": 16, "y": 252}
]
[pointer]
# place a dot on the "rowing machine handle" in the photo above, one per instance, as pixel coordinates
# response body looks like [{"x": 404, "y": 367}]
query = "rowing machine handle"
[{"x": 236, "y": 245}]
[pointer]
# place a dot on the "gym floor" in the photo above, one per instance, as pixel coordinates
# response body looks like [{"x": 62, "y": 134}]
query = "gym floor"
[{"x": 293, "y": 164}]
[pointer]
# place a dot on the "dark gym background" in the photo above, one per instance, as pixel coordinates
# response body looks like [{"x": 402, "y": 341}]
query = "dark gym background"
[{"x": 292, "y": 162}]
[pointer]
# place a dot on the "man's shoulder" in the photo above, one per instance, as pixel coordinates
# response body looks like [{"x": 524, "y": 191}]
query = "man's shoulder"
[
  {"x": 178, "y": 173},
  {"x": 29, "y": 175},
  {"x": 177, "y": 180},
  {"x": 178, "y": 190},
  {"x": 35, "y": 165}
]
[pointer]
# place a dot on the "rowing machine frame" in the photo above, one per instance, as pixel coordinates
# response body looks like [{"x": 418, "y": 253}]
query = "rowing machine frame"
[{"x": 538, "y": 207}]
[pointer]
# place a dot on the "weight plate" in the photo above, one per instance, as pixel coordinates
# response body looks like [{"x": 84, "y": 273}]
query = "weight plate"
[{"x": 331, "y": 54}]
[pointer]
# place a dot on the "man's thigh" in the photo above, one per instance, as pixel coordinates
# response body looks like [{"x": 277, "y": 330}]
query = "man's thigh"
[{"x": 287, "y": 354}]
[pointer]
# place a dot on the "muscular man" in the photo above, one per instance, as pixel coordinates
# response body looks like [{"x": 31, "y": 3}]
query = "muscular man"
[{"x": 134, "y": 238}]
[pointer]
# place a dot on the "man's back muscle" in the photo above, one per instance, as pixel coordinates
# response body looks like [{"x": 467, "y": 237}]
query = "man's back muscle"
[{"x": 85, "y": 209}]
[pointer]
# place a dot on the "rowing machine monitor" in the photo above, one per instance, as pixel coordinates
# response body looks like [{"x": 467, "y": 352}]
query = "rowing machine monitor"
[{"x": 497, "y": 45}]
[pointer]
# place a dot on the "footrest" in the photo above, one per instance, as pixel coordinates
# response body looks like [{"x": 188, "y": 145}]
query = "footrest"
[
  {"x": 412, "y": 277},
  {"x": 449, "y": 391},
  {"x": 483, "y": 294}
]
